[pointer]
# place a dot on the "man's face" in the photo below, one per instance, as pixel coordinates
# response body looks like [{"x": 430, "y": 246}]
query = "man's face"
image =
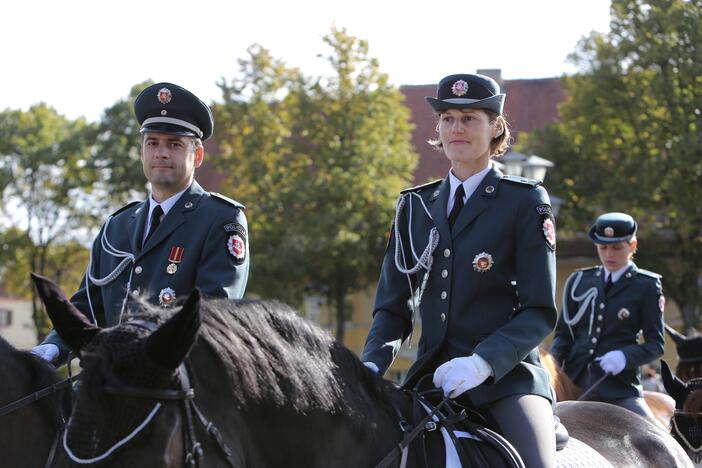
[{"x": 169, "y": 161}]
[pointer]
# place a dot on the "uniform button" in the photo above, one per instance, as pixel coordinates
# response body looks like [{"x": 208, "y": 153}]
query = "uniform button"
[
  {"x": 443, "y": 317},
  {"x": 447, "y": 253},
  {"x": 599, "y": 317},
  {"x": 138, "y": 269},
  {"x": 602, "y": 306},
  {"x": 592, "y": 351},
  {"x": 598, "y": 329},
  {"x": 594, "y": 340},
  {"x": 135, "y": 292},
  {"x": 444, "y": 273},
  {"x": 444, "y": 294}
]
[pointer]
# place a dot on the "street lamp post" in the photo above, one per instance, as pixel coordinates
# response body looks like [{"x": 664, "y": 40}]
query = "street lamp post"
[{"x": 532, "y": 167}]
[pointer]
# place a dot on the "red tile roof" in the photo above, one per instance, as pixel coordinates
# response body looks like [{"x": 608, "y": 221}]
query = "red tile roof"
[{"x": 530, "y": 105}]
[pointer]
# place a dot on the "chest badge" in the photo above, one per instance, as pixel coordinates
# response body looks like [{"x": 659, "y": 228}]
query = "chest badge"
[
  {"x": 166, "y": 297},
  {"x": 482, "y": 262},
  {"x": 175, "y": 257},
  {"x": 623, "y": 313}
]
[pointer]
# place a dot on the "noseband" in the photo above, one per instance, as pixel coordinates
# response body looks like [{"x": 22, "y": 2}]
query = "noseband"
[{"x": 186, "y": 394}]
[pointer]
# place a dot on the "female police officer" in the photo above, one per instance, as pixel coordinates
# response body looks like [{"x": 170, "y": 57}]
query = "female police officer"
[
  {"x": 605, "y": 309},
  {"x": 474, "y": 255}
]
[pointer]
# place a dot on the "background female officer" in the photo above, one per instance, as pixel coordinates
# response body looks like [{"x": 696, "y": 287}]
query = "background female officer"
[
  {"x": 474, "y": 254},
  {"x": 605, "y": 308}
]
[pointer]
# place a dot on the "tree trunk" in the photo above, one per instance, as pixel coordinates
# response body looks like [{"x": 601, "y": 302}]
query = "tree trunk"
[{"x": 340, "y": 307}]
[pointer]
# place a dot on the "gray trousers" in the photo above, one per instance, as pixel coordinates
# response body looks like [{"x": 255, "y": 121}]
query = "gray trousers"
[{"x": 526, "y": 421}]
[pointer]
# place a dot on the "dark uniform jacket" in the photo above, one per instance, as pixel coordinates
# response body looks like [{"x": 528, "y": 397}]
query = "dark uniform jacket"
[
  {"x": 490, "y": 290},
  {"x": 208, "y": 227},
  {"x": 634, "y": 303}
]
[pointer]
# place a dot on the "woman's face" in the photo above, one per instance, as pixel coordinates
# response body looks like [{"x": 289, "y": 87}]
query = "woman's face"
[
  {"x": 616, "y": 256},
  {"x": 465, "y": 135}
]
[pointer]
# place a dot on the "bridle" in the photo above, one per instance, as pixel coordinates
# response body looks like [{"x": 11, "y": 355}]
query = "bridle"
[
  {"x": 186, "y": 395},
  {"x": 36, "y": 396}
]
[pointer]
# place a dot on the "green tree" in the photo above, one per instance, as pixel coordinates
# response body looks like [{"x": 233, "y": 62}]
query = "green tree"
[
  {"x": 629, "y": 137},
  {"x": 320, "y": 162},
  {"x": 44, "y": 159}
]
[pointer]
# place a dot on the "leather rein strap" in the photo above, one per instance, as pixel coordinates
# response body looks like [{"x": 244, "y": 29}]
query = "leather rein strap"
[{"x": 38, "y": 395}]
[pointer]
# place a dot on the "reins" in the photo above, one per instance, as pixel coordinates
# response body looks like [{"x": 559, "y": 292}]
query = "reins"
[{"x": 36, "y": 396}]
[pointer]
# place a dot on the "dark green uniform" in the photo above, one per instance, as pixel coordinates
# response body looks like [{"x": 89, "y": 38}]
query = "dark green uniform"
[
  {"x": 490, "y": 289},
  {"x": 610, "y": 321},
  {"x": 201, "y": 242}
]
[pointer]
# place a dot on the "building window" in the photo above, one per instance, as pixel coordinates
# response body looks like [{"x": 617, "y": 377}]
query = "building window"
[{"x": 5, "y": 317}]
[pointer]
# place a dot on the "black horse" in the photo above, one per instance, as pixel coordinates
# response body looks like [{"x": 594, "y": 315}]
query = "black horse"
[
  {"x": 270, "y": 389},
  {"x": 28, "y": 430}
]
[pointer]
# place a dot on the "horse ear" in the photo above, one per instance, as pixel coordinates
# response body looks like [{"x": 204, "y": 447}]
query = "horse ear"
[
  {"x": 69, "y": 322},
  {"x": 678, "y": 338},
  {"x": 169, "y": 345},
  {"x": 673, "y": 385}
]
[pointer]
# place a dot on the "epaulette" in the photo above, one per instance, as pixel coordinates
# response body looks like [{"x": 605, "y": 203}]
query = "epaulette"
[
  {"x": 588, "y": 268},
  {"x": 422, "y": 187},
  {"x": 650, "y": 274},
  {"x": 128, "y": 205},
  {"x": 521, "y": 180},
  {"x": 228, "y": 200}
]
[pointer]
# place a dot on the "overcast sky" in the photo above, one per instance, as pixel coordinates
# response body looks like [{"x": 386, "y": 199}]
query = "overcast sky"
[{"x": 81, "y": 56}]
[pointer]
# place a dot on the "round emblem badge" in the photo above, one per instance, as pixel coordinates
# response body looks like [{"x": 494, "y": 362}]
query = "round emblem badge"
[
  {"x": 549, "y": 232},
  {"x": 623, "y": 314},
  {"x": 236, "y": 247},
  {"x": 171, "y": 268},
  {"x": 609, "y": 231},
  {"x": 459, "y": 88},
  {"x": 482, "y": 262},
  {"x": 164, "y": 95},
  {"x": 166, "y": 297}
]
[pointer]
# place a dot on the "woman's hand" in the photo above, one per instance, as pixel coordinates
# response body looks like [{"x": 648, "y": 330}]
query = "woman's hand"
[
  {"x": 461, "y": 374},
  {"x": 612, "y": 362}
]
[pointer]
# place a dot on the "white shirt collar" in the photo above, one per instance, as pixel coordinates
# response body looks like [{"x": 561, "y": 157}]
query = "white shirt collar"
[
  {"x": 166, "y": 206},
  {"x": 470, "y": 185},
  {"x": 617, "y": 274}
]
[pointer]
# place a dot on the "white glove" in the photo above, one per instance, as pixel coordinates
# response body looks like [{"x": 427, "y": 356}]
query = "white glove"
[
  {"x": 48, "y": 352},
  {"x": 612, "y": 362},
  {"x": 461, "y": 374},
  {"x": 372, "y": 366}
]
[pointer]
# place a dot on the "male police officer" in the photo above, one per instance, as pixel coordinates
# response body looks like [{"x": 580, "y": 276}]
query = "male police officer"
[
  {"x": 182, "y": 237},
  {"x": 605, "y": 309}
]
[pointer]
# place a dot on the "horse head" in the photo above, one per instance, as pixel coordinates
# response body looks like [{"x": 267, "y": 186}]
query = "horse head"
[
  {"x": 131, "y": 373},
  {"x": 686, "y": 425}
]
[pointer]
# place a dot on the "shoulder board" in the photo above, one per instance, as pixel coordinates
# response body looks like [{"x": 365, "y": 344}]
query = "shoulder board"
[
  {"x": 521, "y": 180},
  {"x": 419, "y": 188},
  {"x": 128, "y": 205},
  {"x": 648, "y": 273},
  {"x": 227, "y": 200},
  {"x": 588, "y": 268}
]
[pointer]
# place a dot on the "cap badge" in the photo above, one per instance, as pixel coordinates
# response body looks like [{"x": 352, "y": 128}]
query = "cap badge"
[
  {"x": 164, "y": 95},
  {"x": 623, "y": 314},
  {"x": 166, "y": 297},
  {"x": 609, "y": 231},
  {"x": 459, "y": 88},
  {"x": 482, "y": 262},
  {"x": 175, "y": 257}
]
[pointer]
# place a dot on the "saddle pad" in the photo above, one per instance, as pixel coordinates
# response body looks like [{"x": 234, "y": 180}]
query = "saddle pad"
[{"x": 580, "y": 455}]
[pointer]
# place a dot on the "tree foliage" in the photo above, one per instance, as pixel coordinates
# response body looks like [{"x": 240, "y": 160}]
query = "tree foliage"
[
  {"x": 629, "y": 137},
  {"x": 319, "y": 161}
]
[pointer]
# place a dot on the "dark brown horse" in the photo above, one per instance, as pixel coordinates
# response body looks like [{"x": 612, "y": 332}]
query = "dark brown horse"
[
  {"x": 28, "y": 431},
  {"x": 278, "y": 390}
]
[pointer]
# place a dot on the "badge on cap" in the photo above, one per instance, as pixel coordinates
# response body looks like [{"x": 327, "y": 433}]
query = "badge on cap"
[
  {"x": 175, "y": 257},
  {"x": 623, "y": 313},
  {"x": 609, "y": 231},
  {"x": 164, "y": 95},
  {"x": 166, "y": 297},
  {"x": 482, "y": 262},
  {"x": 459, "y": 88}
]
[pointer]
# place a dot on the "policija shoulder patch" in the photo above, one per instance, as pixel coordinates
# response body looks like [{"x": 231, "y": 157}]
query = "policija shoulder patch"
[
  {"x": 236, "y": 241},
  {"x": 548, "y": 224}
]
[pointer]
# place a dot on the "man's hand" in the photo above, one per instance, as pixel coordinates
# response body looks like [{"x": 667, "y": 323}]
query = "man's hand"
[
  {"x": 461, "y": 374},
  {"x": 48, "y": 352},
  {"x": 612, "y": 362}
]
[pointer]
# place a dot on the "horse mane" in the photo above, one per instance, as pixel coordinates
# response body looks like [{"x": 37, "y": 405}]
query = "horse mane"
[
  {"x": 41, "y": 374},
  {"x": 565, "y": 388},
  {"x": 272, "y": 356}
]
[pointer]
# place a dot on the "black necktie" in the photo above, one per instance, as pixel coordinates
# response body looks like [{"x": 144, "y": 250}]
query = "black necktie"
[
  {"x": 608, "y": 283},
  {"x": 457, "y": 205},
  {"x": 155, "y": 221}
]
